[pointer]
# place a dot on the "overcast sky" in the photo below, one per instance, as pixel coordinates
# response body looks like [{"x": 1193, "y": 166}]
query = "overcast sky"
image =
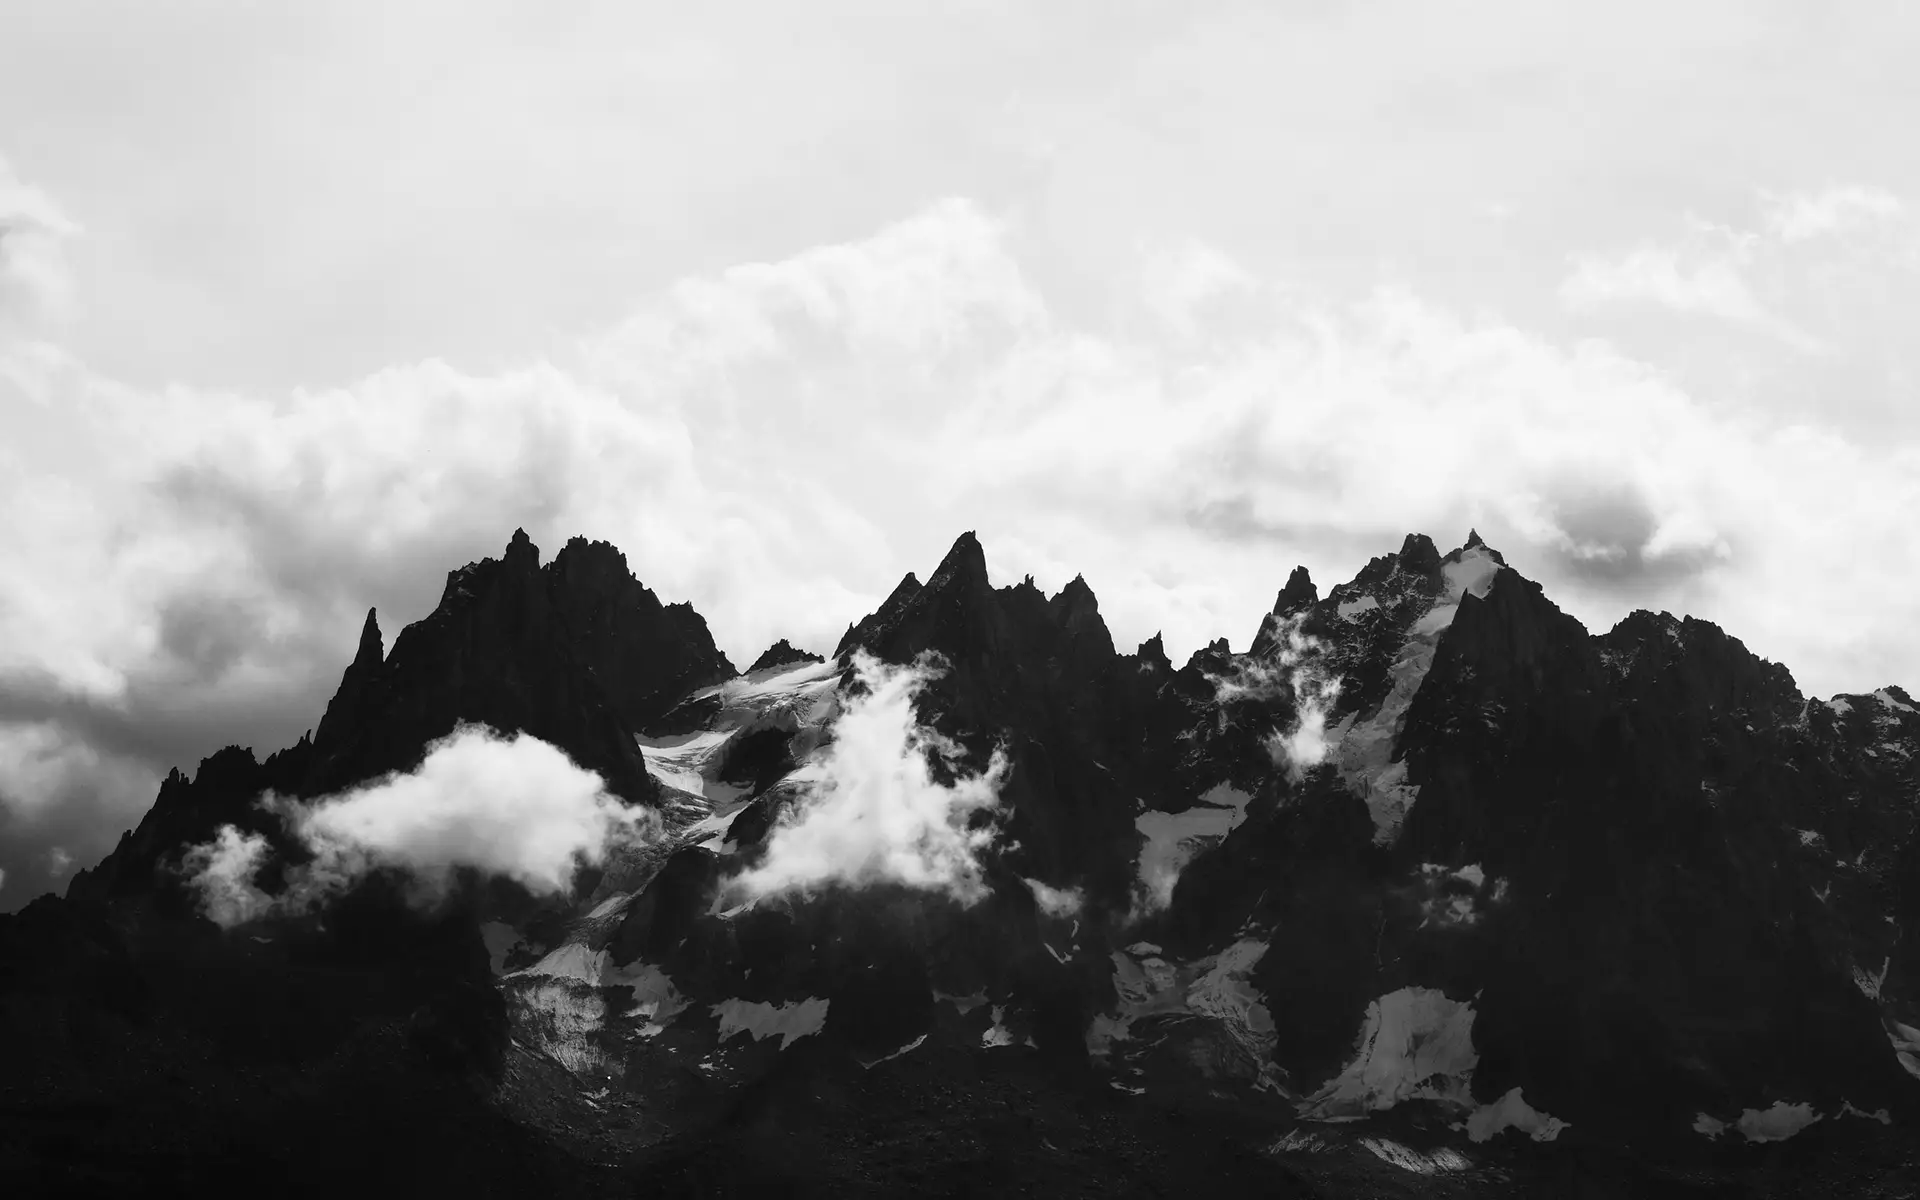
[{"x": 302, "y": 306}]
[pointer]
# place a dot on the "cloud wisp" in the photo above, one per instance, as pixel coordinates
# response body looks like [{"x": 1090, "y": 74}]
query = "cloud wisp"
[
  {"x": 1304, "y": 744},
  {"x": 34, "y": 279},
  {"x": 1294, "y": 669},
  {"x": 511, "y": 806},
  {"x": 876, "y": 813}
]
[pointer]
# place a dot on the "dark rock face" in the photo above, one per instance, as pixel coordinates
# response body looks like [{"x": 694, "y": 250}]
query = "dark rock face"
[
  {"x": 507, "y": 647},
  {"x": 646, "y": 655},
  {"x": 859, "y": 633},
  {"x": 782, "y": 654},
  {"x": 578, "y": 654},
  {"x": 187, "y": 812},
  {"x": 1670, "y": 889},
  {"x": 1040, "y": 678}
]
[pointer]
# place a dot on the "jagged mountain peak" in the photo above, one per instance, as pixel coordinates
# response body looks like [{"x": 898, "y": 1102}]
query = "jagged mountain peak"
[
  {"x": 1474, "y": 547},
  {"x": 1075, "y": 602},
  {"x": 1152, "y": 654},
  {"x": 1606, "y": 878},
  {"x": 521, "y": 552},
  {"x": 1418, "y": 553},
  {"x": 782, "y": 653},
  {"x": 1299, "y": 593},
  {"x": 965, "y": 566},
  {"x": 863, "y": 631},
  {"x": 372, "y": 647}
]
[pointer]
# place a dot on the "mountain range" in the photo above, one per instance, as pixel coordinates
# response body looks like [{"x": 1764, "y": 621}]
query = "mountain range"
[{"x": 1428, "y": 891}]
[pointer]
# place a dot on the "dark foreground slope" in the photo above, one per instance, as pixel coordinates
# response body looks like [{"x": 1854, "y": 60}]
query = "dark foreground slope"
[{"x": 1429, "y": 892}]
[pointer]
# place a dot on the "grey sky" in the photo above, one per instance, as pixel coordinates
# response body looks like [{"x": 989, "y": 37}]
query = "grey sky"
[{"x": 302, "y": 306}]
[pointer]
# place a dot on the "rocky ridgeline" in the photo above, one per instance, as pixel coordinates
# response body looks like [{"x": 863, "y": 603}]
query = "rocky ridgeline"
[{"x": 1427, "y": 846}]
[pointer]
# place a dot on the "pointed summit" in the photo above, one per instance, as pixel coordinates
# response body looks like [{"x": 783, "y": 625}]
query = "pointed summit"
[
  {"x": 1153, "y": 655},
  {"x": 1419, "y": 553},
  {"x": 965, "y": 564},
  {"x": 1473, "y": 539},
  {"x": 862, "y": 631},
  {"x": 1075, "y": 601},
  {"x": 1298, "y": 594},
  {"x": 372, "y": 648},
  {"x": 782, "y": 654},
  {"x": 521, "y": 552},
  {"x": 358, "y": 681}
]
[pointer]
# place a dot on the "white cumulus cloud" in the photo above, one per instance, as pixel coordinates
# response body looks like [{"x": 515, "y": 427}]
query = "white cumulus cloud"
[
  {"x": 877, "y": 814},
  {"x": 511, "y": 806}
]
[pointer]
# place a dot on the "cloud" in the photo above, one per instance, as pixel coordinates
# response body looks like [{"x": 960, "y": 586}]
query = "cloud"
[
  {"x": 513, "y": 806},
  {"x": 1655, "y": 274},
  {"x": 223, "y": 872},
  {"x": 60, "y": 795},
  {"x": 1821, "y": 274},
  {"x": 1056, "y": 902},
  {"x": 1293, "y": 670},
  {"x": 1707, "y": 286},
  {"x": 878, "y": 814},
  {"x": 1802, "y": 216},
  {"x": 756, "y": 438},
  {"x": 34, "y": 277},
  {"x": 1303, "y": 744}
]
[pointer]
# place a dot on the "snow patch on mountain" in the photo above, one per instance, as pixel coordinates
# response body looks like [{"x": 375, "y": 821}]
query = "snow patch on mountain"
[
  {"x": 798, "y": 690},
  {"x": 795, "y": 1019},
  {"x": 1773, "y": 1124},
  {"x": 561, "y": 1004},
  {"x": 1224, "y": 993},
  {"x": 1172, "y": 840},
  {"x": 654, "y": 995},
  {"x": 1415, "y": 1044},
  {"x": 1217, "y": 988},
  {"x": 1437, "y": 1162},
  {"x": 1511, "y": 1111},
  {"x": 1881, "y": 1115},
  {"x": 686, "y": 762},
  {"x": 998, "y": 1034},
  {"x": 1708, "y": 1126},
  {"x": 1452, "y": 895},
  {"x": 563, "y": 1020},
  {"x": 1780, "y": 1121},
  {"x": 572, "y": 961},
  {"x": 1777, "y": 1123},
  {"x": 1906, "y": 1046},
  {"x": 870, "y": 1064},
  {"x": 1351, "y": 610},
  {"x": 1364, "y": 751},
  {"x": 501, "y": 940},
  {"x": 1871, "y": 983}
]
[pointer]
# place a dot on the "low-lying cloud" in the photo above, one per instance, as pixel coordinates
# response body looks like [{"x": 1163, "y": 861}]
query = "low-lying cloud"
[
  {"x": 1303, "y": 744},
  {"x": 1056, "y": 902},
  {"x": 878, "y": 814},
  {"x": 512, "y": 806}
]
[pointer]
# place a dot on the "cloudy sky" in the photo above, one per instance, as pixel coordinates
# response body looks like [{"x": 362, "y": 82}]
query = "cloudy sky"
[{"x": 302, "y": 306}]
